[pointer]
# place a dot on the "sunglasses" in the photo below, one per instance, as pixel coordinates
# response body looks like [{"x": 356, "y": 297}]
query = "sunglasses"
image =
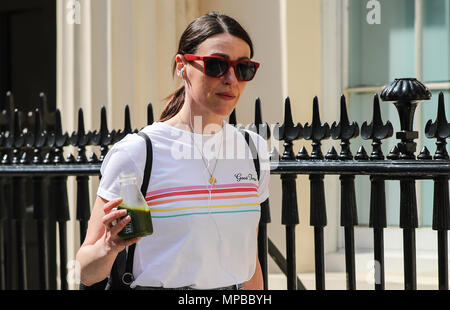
[{"x": 217, "y": 66}]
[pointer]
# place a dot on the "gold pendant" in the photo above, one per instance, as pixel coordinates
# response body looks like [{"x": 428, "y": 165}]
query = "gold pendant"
[{"x": 212, "y": 180}]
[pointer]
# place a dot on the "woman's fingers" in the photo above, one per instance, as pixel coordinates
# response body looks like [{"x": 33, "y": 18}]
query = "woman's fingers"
[
  {"x": 109, "y": 218},
  {"x": 111, "y": 204},
  {"x": 120, "y": 225}
]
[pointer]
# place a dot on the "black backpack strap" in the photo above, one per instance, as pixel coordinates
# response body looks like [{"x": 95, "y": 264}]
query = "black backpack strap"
[
  {"x": 265, "y": 212},
  {"x": 148, "y": 163},
  {"x": 127, "y": 276},
  {"x": 253, "y": 150}
]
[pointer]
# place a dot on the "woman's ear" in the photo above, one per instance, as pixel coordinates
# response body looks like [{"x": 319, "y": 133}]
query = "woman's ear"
[{"x": 181, "y": 66}]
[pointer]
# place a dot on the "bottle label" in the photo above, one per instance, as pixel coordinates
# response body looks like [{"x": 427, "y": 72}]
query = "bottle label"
[{"x": 128, "y": 229}]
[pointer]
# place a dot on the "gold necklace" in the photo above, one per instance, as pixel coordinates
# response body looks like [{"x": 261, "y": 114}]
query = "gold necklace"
[{"x": 212, "y": 179}]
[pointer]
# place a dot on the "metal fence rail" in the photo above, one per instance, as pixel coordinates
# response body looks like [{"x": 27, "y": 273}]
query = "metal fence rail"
[{"x": 34, "y": 203}]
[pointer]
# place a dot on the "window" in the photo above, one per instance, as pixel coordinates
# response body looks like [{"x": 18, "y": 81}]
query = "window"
[{"x": 412, "y": 40}]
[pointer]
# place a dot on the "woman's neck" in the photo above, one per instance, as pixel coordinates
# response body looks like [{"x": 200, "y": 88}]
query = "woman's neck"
[{"x": 196, "y": 121}]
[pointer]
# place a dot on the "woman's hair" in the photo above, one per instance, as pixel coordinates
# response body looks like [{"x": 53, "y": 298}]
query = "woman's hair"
[{"x": 198, "y": 31}]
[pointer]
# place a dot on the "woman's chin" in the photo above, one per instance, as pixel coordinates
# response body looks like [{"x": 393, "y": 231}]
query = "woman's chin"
[{"x": 225, "y": 110}]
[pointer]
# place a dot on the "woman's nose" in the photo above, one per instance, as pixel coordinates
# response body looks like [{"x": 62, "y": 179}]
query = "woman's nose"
[{"x": 230, "y": 76}]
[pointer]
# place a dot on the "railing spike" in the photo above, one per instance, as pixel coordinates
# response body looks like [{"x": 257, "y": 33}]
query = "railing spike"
[
  {"x": 361, "y": 154},
  {"x": 302, "y": 154},
  {"x": 16, "y": 125},
  {"x": 150, "y": 118},
  {"x": 332, "y": 154},
  {"x": 80, "y": 122},
  {"x": 376, "y": 130},
  {"x": 439, "y": 129},
  {"x": 316, "y": 131},
  {"x": 232, "y": 119},
  {"x": 424, "y": 154},
  {"x": 344, "y": 131},
  {"x": 127, "y": 126},
  {"x": 258, "y": 114}
]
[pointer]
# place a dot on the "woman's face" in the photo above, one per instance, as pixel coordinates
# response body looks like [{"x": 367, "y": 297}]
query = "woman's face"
[{"x": 210, "y": 95}]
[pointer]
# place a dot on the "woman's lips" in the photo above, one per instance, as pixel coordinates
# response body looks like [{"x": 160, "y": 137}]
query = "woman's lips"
[{"x": 226, "y": 96}]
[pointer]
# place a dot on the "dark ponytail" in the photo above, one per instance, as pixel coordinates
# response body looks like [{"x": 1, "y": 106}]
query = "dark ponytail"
[
  {"x": 198, "y": 31},
  {"x": 176, "y": 101}
]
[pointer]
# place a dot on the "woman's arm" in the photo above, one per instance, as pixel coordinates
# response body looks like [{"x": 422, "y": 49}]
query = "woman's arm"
[
  {"x": 102, "y": 244},
  {"x": 256, "y": 282}
]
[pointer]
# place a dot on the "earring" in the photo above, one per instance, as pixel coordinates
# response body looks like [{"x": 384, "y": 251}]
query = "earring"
[{"x": 181, "y": 72}]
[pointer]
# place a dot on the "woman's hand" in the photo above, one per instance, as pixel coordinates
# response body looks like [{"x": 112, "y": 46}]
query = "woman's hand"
[
  {"x": 102, "y": 243},
  {"x": 113, "y": 226}
]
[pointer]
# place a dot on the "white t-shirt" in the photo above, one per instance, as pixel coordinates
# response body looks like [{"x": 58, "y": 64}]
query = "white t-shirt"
[{"x": 203, "y": 236}]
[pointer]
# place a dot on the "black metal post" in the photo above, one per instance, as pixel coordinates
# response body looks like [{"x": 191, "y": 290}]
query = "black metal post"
[
  {"x": 50, "y": 229},
  {"x": 377, "y": 221},
  {"x": 81, "y": 138},
  {"x": 318, "y": 219},
  {"x": 348, "y": 221},
  {"x": 406, "y": 93},
  {"x": 40, "y": 200},
  {"x": 440, "y": 130},
  {"x": 377, "y": 131},
  {"x": 289, "y": 217},
  {"x": 10, "y": 248},
  {"x": 61, "y": 202},
  {"x": 344, "y": 130},
  {"x": 39, "y": 215},
  {"x": 3, "y": 221},
  {"x": 316, "y": 132},
  {"x": 290, "y": 220},
  {"x": 18, "y": 204}
]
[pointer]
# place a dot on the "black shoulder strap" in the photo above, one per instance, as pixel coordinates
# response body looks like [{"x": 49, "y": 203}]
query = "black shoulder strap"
[
  {"x": 265, "y": 212},
  {"x": 148, "y": 163},
  {"x": 253, "y": 150},
  {"x": 127, "y": 277}
]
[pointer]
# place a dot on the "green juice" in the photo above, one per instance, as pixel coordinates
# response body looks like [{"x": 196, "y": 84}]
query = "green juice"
[{"x": 140, "y": 224}]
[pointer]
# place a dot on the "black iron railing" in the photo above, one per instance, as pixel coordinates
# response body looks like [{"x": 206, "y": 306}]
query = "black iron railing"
[{"x": 34, "y": 208}]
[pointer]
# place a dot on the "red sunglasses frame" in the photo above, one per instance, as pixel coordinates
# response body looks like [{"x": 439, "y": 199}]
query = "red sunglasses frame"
[{"x": 231, "y": 63}]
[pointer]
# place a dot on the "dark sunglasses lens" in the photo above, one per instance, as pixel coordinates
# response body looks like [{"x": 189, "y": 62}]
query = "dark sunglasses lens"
[
  {"x": 215, "y": 67},
  {"x": 245, "y": 70}
]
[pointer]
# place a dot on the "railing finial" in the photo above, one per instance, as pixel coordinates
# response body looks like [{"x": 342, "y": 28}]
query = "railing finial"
[
  {"x": 406, "y": 93},
  {"x": 344, "y": 130},
  {"x": 288, "y": 131},
  {"x": 150, "y": 117},
  {"x": 258, "y": 126},
  {"x": 440, "y": 130},
  {"x": 376, "y": 130},
  {"x": 316, "y": 131}
]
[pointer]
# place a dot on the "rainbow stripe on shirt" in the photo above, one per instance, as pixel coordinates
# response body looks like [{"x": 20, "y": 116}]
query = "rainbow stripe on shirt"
[{"x": 196, "y": 200}]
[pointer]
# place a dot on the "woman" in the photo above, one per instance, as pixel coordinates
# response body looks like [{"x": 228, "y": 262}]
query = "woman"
[{"x": 205, "y": 209}]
